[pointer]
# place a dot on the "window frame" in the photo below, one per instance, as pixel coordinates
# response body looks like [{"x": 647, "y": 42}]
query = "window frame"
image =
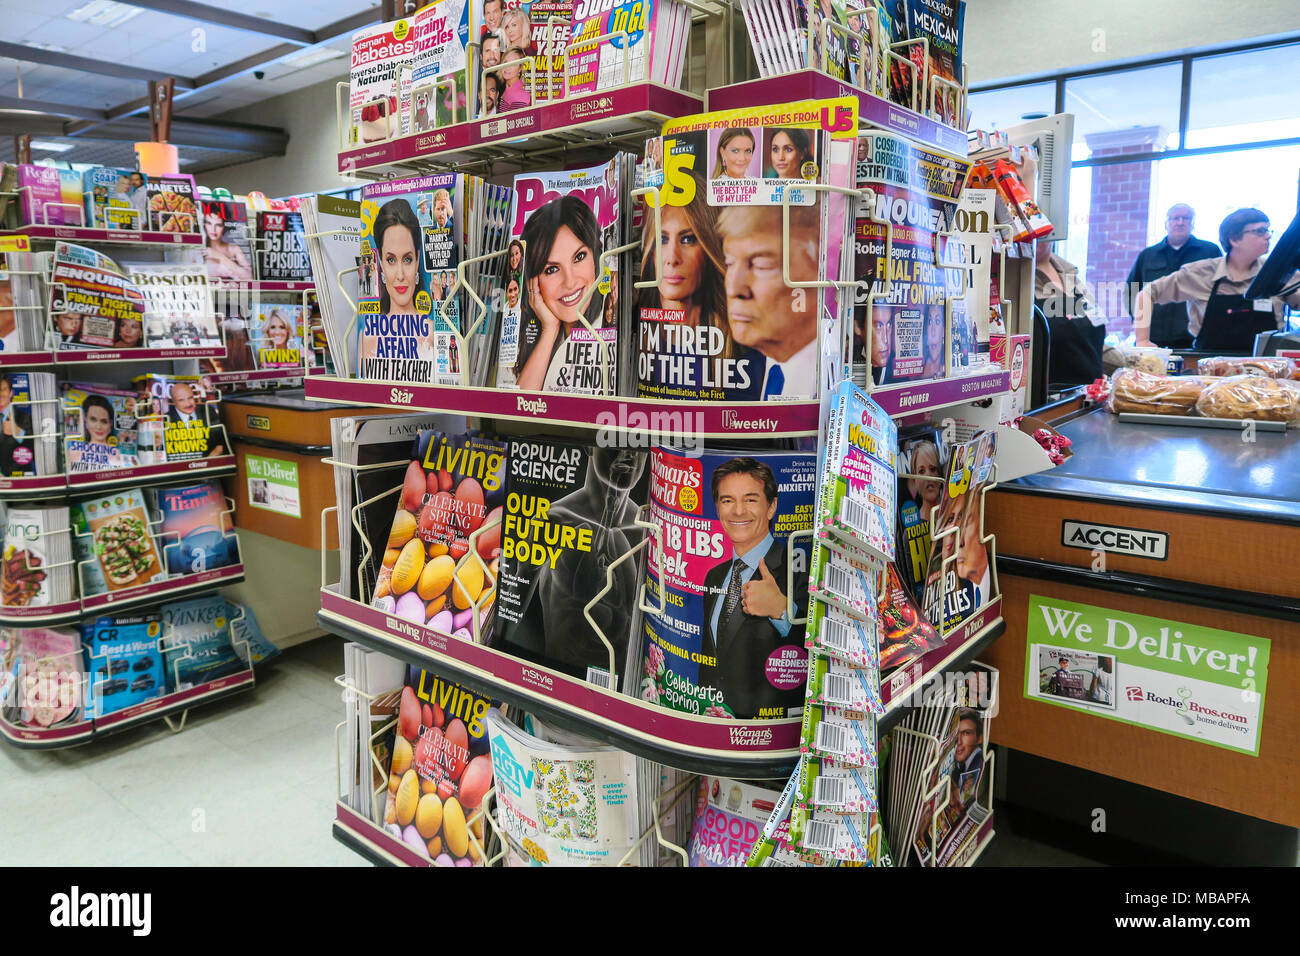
[{"x": 1187, "y": 60}]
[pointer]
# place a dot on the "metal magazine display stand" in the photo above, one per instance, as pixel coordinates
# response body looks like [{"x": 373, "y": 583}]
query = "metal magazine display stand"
[
  {"x": 614, "y": 714},
  {"x": 66, "y": 486}
]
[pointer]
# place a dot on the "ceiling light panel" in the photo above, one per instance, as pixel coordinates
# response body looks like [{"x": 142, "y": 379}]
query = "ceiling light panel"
[{"x": 104, "y": 13}]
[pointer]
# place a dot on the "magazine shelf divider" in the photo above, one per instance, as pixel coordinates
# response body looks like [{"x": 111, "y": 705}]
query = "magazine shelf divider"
[
  {"x": 117, "y": 236},
  {"x": 624, "y": 414},
  {"x": 594, "y": 119},
  {"x": 698, "y": 744}
]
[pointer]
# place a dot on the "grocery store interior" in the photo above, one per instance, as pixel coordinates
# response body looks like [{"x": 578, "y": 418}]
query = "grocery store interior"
[{"x": 841, "y": 434}]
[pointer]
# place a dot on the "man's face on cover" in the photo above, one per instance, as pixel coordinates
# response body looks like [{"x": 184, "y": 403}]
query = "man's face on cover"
[
  {"x": 744, "y": 510},
  {"x": 968, "y": 738},
  {"x": 492, "y": 14},
  {"x": 183, "y": 399},
  {"x": 764, "y": 312},
  {"x": 882, "y": 336}
]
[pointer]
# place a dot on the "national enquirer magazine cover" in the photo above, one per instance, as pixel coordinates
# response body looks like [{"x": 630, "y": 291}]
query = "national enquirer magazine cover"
[{"x": 725, "y": 645}]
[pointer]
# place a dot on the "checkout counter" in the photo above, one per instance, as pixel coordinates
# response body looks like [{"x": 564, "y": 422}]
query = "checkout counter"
[
  {"x": 1183, "y": 525},
  {"x": 280, "y": 487}
]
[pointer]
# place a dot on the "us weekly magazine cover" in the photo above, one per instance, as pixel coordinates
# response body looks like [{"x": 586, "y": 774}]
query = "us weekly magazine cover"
[{"x": 722, "y": 324}]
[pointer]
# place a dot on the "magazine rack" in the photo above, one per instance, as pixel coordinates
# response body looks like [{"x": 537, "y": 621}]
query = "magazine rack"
[
  {"x": 962, "y": 843},
  {"x": 165, "y": 706},
  {"x": 743, "y": 748},
  {"x": 82, "y": 233},
  {"x": 47, "y": 614},
  {"x": 962, "y": 641},
  {"x": 366, "y": 835},
  {"x": 171, "y": 586},
  {"x": 66, "y": 733}
]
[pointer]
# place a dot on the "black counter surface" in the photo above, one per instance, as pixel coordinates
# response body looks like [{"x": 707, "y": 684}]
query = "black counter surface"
[{"x": 1176, "y": 467}]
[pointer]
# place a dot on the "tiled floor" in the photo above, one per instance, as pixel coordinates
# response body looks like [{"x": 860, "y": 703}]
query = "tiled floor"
[{"x": 249, "y": 781}]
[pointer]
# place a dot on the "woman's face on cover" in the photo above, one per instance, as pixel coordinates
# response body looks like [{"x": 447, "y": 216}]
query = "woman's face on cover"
[
  {"x": 130, "y": 331},
  {"x": 683, "y": 255},
  {"x": 515, "y": 23},
  {"x": 512, "y": 293},
  {"x": 516, "y": 257},
  {"x": 569, "y": 270},
  {"x": 786, "y": 159},
  {"x": 215, "y": 226},
  {"x": 397, "y": 259},
  {"x": 511, "y": 73},
  {"x": 277, "y": 332},
  {"x": 98, "y": 424},
  {"x": 926, "y": 462},
  {"x": 736, "y": 156}
]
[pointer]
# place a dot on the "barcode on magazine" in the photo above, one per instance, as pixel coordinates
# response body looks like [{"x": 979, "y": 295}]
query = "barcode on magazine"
[
  {"x": 844, "y": 583},
  {"x": 831, "y": 791},
  {"x": 598, "y": 676},
  {"x": 832, "y": 738},
  {"x": 837, "y": 689},
  {"x": 819, "y": 835},
  {"x": 859, "y": 516},
  {"x": 773, "y": 861},
  {"x": 837, "y": 634}
]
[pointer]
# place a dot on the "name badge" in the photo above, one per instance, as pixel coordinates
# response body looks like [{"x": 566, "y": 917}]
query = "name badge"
[{"x": 1263, "y": 305}]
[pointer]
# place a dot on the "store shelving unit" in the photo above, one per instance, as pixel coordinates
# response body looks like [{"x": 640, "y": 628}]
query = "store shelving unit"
[
  {"x": 67, "y": 486},
  {"x": 611, "y": 117},
  {"x": 160, "y": 708},
  {"x": 533, "y": 137},
  {"x": 132, "y": 237}
]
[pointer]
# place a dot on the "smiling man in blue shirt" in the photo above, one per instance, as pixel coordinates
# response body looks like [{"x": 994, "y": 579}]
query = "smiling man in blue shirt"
[{"x": 745, "y": 607}]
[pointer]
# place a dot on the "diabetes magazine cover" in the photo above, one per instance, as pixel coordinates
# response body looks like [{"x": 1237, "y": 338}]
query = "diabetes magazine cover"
[
  {"x": 914, "y": 189},
  {"x": 565, "y": 221},
  {"x": 725, "y": 645},
  {"x": 570, "y": 514},
  {"x": 722, "y": 324},
  {"x": 410, "y": 251}
]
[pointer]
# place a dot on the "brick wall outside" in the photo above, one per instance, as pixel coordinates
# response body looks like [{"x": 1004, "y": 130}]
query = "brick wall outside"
[{"x": 1117, "y": 220}]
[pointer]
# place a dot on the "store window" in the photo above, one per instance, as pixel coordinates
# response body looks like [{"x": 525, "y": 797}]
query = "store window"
[
  {"x": 999, "y": 109},
  {"x": 1244, "y": 98},
  {"x": 1133, "y": 111},
  {"x": 1132, "y": 161}
]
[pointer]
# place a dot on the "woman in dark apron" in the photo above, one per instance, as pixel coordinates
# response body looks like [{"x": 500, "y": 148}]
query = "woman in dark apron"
[
  {"x": 1231, "y": 323},
  {"x": 1075, "y": 342}
]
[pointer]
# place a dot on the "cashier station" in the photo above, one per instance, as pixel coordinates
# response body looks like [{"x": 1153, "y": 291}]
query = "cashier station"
[{"x": 1230, "y": 509}]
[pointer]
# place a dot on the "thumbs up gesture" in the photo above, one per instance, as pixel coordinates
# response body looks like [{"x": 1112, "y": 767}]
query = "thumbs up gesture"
[{"x": 762, "y": 596}]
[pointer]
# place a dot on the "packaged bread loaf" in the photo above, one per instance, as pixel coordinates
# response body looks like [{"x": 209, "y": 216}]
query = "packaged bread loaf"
[
  {"x": 1251, "y": 396},
  {"x": 1269, "y": 366},
  {"x": 1132, "y": 390}
]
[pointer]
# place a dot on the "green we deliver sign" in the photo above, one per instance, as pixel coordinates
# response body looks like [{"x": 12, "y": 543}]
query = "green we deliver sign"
[
  {"x": 273, "y": 485},
  {"x": 1181, "y": 679}
]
